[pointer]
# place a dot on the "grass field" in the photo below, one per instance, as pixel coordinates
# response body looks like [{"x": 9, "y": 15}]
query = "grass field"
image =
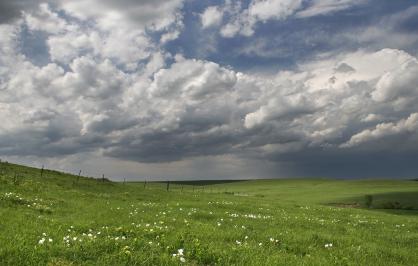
[{"x": 60, "y": 219}]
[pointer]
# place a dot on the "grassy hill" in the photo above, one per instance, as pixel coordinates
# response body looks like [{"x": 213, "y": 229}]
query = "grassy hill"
[{"x": 62, "y": 219}]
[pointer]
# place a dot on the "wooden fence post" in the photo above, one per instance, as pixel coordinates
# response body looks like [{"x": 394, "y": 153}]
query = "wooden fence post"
[
  {"x": 42, "y": 171},
  {"x": 168, "y": 185}
]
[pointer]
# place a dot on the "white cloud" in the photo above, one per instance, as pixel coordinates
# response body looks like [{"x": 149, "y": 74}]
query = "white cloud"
[
  {"x": 280, "y": 107},
  {"x": 192, "y": 78},
  {"x": 232, "y": 29},
  {"x": 65, "y": 47},
  {"x": 402, "y": 82},
  {"x": 44, "y": 19},
  {"x": 263, "y": 10},
  {"x": 212, "y": 16},
  {"x": 324, "y": 7},
  {"x": 126, "y": 42},
  {"x": 243, "y": 21},
  {"x": 408, "y": 125}
]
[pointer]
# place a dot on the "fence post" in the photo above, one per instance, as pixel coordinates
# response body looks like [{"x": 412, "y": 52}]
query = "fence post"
[
  {"x": 145, "y": 183},
  {"x": 103, "y": 177},
  {"x": 42, "y": 171},
  {"x": 168, "y": 185}
]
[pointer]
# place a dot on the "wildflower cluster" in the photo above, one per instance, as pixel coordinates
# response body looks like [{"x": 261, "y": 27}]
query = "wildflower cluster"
[
  {"x": 180, "y": 255},
  {"x": 44, "y": 239},
  {"x": 36, "y": 204}
]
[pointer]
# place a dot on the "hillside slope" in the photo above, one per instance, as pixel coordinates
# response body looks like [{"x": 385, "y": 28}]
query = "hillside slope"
[{"x": 62, "y": 219}]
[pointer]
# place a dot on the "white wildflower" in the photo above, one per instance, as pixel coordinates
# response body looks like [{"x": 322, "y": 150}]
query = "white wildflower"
[{"x": 180, "y": 252}]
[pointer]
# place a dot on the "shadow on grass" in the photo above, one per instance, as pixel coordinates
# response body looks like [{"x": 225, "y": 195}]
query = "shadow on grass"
[
  {"x": 205, "y": 182},
  {"x": 401, "y": 203}
]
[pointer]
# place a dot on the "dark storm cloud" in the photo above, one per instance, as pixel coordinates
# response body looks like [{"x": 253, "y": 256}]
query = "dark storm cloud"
[
  {"x": 174, "y": 146},
  {"x": 113, "y": 122},
  {"x": 12, "y": 9},
  {"x": 353, "y": 164},
  {"x": 49, "y": 134}
]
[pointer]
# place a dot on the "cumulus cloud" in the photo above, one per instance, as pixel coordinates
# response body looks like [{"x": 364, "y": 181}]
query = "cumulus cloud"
[
  {"x": 279, "y": 108},
  {"x": 212, "y": 16},
  {"x": 399, "y": 83},
  {"x": 191, "y": 78},
  {"x": 162, "y": 113},
  {"x": 44, "y": 19},
  {"x": 408, "y": 125},
  {"x": 111, "y": 89}
]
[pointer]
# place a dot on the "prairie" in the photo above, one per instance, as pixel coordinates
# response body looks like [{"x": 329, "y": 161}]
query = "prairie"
[{"x": 63, "y": 219}]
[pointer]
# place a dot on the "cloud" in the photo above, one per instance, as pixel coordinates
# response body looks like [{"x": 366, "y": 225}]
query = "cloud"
[
  {"x": 325, "y": 7},
  {"x": 286, "y": 43},
  {"x": 44, "y": 19},
  {"x": 126, "y": 44},
  {"x": 279, "y": 108},
  {"x": 401, "y": 83},
  {"x": 169, "y": 112},
  {"x": 153, "y": 14},
  {"x": 263, "y": 10},
  {"x": 116, "y": 87},
  {"x": 212, "y": 16},
  {"x": 194, "y": 79},
  {"x": 243, "y": 21},
  {"x": 408, "y": 125},
  {"x": 186, "y": 114},
  {"x": 12, "y": 10}
]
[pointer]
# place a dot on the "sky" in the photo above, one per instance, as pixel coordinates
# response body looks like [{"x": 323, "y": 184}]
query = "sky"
[{"x": 225, "y": 89}]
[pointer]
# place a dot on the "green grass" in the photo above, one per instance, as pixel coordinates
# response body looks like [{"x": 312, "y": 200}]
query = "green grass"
[{"x": 263, "y": 222}]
